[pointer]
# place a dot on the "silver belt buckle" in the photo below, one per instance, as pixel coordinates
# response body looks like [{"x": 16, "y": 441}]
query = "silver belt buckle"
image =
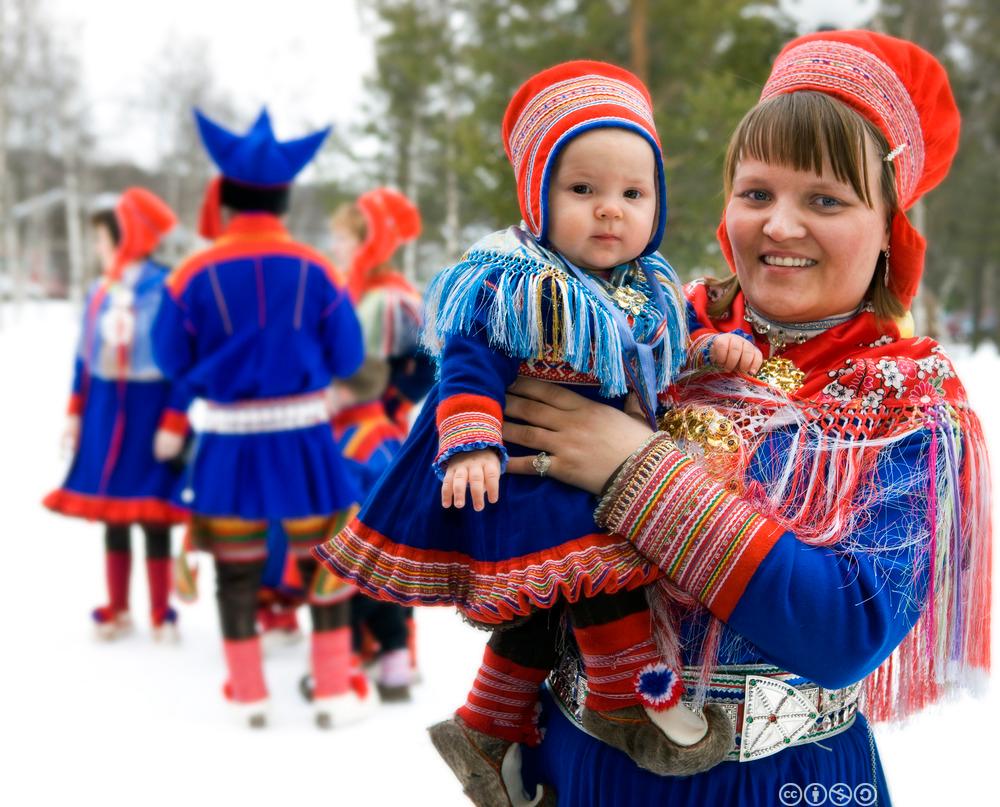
[{"x": 775, "y": 715}]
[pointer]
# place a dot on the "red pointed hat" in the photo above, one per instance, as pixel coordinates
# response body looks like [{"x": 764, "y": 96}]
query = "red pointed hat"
[
  {"x": 904, "y": 91},
  {"x": 391, "y": 220},
  {"x": 560, "y": 103},
  {"x": 143, "y": 218}
]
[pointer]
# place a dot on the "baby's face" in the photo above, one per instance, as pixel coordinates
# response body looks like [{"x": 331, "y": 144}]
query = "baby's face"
[{"x": 602, "y": 199}]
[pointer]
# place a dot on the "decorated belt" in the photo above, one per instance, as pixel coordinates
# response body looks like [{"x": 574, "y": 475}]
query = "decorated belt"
[
  {"x": 770, "y": 709},
  {"x": 265, "y": 414}
]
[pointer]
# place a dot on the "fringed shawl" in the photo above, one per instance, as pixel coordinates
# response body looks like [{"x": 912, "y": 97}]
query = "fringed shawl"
[
  {"x": 532, "y": 307},
  {"x": 863, "y": 393}
]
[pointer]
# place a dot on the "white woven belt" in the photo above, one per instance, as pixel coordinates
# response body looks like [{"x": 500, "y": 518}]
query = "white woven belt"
[
  {"x": 776, "y": 715},
  {"x": 768, "y": 712},
  {"x": 265, "y": 415}
]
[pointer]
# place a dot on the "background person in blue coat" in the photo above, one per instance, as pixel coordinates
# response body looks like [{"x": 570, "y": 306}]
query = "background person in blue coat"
[
  {"x": 258, "y": 326},
  {"x": 828, "y": 519},
  {"x": 120, "y": 400}
]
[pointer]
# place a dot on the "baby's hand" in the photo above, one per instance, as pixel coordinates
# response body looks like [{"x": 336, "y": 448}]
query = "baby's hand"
[
  {"x": 480, "y": 470},
  {"x": 735, "y": 354}
]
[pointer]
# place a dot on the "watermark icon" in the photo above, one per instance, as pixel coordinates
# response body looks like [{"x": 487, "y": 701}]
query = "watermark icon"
[
  {"x": 814, "y": 795},
  {"x": 865, "y": 795},
  {"x": 790, "y": 795},
  {"x": 839, "y": 794}
]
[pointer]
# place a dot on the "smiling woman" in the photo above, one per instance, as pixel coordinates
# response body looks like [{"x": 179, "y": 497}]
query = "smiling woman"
[
  {"x": 828, "y": 519},
  {"x": 809, "y": 216}
]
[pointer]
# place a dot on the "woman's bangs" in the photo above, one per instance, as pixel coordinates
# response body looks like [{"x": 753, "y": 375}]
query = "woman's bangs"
[{"x": 798, "y": 130}]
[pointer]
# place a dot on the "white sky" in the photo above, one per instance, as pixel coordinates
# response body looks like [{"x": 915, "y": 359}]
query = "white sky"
[{"x": 306, "y": 59}]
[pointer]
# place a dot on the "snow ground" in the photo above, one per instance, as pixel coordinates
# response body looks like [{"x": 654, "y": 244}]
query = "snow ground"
[{"x": 138, "y": 723}]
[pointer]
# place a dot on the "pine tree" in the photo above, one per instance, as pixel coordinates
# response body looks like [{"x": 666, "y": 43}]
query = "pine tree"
[{"x": 447, "y": 68}]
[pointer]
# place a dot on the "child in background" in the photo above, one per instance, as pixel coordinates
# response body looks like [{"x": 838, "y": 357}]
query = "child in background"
[
  {"x": 120, "y": 401},
  {"x": 373, "y": 405}
]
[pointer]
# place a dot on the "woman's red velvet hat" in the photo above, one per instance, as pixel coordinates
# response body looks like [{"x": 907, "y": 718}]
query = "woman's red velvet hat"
[
  {"x": 143, "y": 218},
  {"x": 904, "y": 91},
  {"x": 391, "y": 220}
]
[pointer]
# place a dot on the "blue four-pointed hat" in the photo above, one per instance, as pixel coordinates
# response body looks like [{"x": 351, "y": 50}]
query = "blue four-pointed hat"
[{"x": 257, "y": 157}]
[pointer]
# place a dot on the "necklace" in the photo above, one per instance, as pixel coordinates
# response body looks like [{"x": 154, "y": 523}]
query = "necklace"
[{"x": 782, "y": 334}]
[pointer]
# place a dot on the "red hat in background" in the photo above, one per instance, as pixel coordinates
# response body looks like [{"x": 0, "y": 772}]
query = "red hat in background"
[
  {"x": 556, "y": 105},
  {"x": 143, "y": 219},
  {"x": 391, "y": 220},
  {"x": 904, "y": 91}
]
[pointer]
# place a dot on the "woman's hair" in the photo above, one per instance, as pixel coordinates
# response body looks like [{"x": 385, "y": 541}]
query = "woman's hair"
[
  {"x": 350, "y": 217},
  {"x": 798, "y": 130},
  {"x": 109, "y": 221}
]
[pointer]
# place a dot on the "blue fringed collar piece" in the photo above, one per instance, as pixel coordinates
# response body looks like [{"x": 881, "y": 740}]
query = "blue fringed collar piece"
[{"x": 532, "y": 305}]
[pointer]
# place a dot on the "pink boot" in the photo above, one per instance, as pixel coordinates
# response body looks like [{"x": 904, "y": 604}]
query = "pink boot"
[
  {"x": 337, "y": 700},
  {"x": 246, "y": 688},
  {"x": 394, "y": 676}
]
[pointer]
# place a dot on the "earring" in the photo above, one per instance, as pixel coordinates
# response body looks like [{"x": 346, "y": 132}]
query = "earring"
[{"x": 886, "y": 278}]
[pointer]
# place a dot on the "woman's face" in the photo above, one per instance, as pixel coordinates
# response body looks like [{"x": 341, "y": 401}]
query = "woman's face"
[
  {"x": 104, "y": 247},
  {"x": 344, "y": 244},
  {"x": 805, "y": 246}
]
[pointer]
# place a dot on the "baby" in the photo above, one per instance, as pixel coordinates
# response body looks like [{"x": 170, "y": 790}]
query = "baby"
[{"x": 576, "y": 295}]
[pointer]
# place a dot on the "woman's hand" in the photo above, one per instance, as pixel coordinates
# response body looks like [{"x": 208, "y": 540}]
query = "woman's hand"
[
  {"x": 70, "y": 439},
  {"x": 167, "y": 445},
  {"x": 586, "y": 441}
]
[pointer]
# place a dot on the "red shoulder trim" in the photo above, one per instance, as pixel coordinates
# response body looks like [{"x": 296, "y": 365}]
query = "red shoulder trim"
[{"x": 230, "y": 248}]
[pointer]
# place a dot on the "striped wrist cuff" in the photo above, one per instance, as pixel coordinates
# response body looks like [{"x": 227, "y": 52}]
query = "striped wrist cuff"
[
  {"x": 468, "y": 423},
  {"x": 707, "y": 540}
]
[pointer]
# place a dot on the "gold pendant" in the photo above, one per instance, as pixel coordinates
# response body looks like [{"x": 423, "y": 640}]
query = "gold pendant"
[
  {"x": 628, "y": 299},
  {"x": 781, "y": 373}
]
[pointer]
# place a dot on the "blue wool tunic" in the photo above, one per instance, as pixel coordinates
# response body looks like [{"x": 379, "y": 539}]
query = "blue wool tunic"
[
  {"x": 122, "y": 398},
  {"x": 258, "y": 317}
]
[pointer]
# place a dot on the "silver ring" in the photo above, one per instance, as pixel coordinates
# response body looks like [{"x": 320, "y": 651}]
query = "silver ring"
[{"x": 541, "y": 463}]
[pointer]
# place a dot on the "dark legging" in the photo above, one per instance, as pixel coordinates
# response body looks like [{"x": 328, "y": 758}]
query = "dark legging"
[
  {"x": 385, "y": 620},
  {"x": 533, "y": 642},
  {"x": 117, "y": 539},
  {"x": 237, "y": 585}
]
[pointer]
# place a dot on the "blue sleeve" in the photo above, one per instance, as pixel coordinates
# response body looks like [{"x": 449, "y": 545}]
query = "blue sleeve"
[
  {"x": 694, "y": 324},
  {"x": 343, "y": 343},
  {"x": 469, "y": 366},
  {"x": 77, "y": 387},
  {"x": 473, "y": 386},
  {"x": 834, "y": 614},
  {"x": 180, "y": 398},
  {"x": 173, "y": 337}
]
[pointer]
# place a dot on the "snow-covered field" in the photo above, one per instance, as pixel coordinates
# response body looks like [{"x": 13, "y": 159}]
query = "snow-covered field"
[{"x": 137, "y": 723}]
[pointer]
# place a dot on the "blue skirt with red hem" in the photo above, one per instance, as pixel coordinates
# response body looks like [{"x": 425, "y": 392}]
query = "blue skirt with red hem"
[
  {"x": 114, "y": 476},
  {"x": 538, "y": 545}
]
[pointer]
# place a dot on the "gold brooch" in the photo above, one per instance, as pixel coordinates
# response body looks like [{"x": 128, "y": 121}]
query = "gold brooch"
[
  {"x": 629, "y": 299},
  {"x": 781, "y": 373},
  {"x": 701, "y": 425}
]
